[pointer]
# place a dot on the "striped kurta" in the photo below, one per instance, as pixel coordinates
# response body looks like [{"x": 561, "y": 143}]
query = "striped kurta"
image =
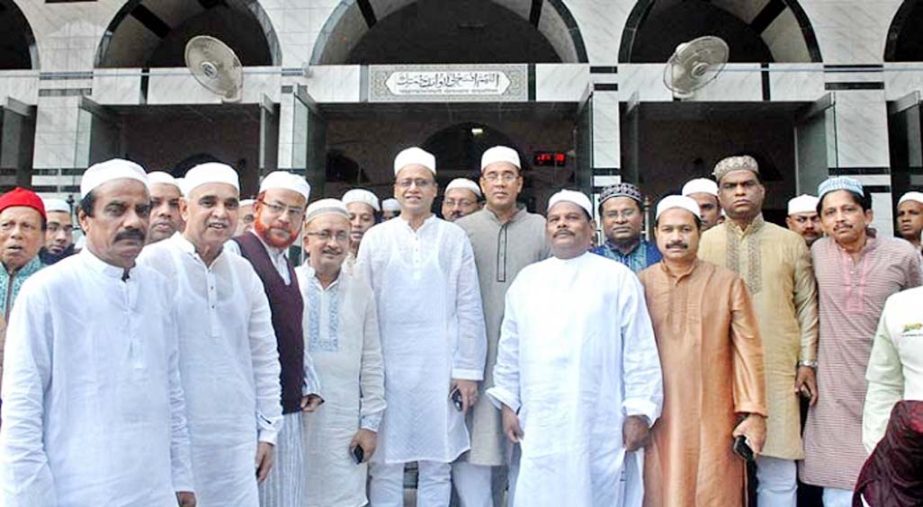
[{"x": 852, "y": 295}]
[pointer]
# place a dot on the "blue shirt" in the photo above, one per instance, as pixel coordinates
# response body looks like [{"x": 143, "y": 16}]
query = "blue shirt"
[
  {"x": 10, "y": 285},
  {"x": 644, "y": 254}
]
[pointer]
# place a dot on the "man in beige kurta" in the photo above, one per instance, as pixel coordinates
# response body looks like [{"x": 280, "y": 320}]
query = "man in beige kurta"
[
  {"x": 712, "y": 362},
  {"x": 776, "y": 267}
]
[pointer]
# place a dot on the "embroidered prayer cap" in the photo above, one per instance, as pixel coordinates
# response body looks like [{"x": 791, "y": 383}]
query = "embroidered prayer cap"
[
  {"x": 804, "y": 203},
  {"x": 161, "y": 177},
  {"x": 324, "y": 206},
  {"x": 500, "y": 154},
  {"x": 414, "y": 156},
  {"x": 210, "y": 172},
  {"x": 247, "y": 202},
  {"x": 286, "y": 181},
  {"x": 114, "y": 169},
  {"x": 911, "y": 196},
  {"x": 621, "y": 190},
  {"x": 736, "y": 163},
  {"x": 839, "y": 183},
  {"x": 52, "y": 204},
  {"x": 362, "y": 195},
  {"x": 679, "y": 201},
  {"x": 574, "y": 197},
  {"x": 390, "y": 204},
  {"x": 700, "y": 186},
  {"x": 466, "y": 184},
  {"x": 22, "y": 197}
]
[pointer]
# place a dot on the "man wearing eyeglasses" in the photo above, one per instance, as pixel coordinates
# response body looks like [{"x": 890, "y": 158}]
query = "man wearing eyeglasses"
[
  {"x": 460, "y": 199},
  {"x": 505, "y": 238},
  {"x": 622, "y": 219},
  {"x": 422, "y": 271},
  {"x": 278, "y": 213},
  {"x": 59, "y": 232}
]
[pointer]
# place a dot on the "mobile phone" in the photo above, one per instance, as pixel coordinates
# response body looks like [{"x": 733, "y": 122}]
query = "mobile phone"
[
  {"x": 457, "y": 400},
  {"x": 742, "y": 449},
  {"x": 358, "y": 454}
]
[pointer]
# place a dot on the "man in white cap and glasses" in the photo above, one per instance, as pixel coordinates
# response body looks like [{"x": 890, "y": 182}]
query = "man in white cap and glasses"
[
  {"x": 432, "y": 335},
  {"x": 577, "y": 376},
  {"x": 166, "y": 219},
  {"x": 856, "y": 273},
  {"x": 245, "y": 216},
  {"x": 59, "y": 232},
  {"x": 390, "y": 208},
  {"x": 802, "y": 218},
  {"x": 505, "y": 238},
  {"x": 278, "y": 217},
  {"x": 704, "y": 192},
  {"x": 622, "y": 213},
  {"x": 228, "y": 357},
  {"x": 691, "y": 460},
  {"x": 776, "y": 266},
  {"x": 363, "y": 210},
  {"x": 461, "y": 199},
  {"x": 93, "y": 410},
  {"x": 910, "y": 218},
  {"x": 342, "y": 335}
]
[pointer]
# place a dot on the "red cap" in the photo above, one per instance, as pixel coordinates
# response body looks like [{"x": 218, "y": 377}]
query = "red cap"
[{"x": 22, "y": 197}]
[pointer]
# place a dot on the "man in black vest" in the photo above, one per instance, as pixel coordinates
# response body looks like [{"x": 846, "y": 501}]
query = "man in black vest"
[{"x": 279, "y": 213}]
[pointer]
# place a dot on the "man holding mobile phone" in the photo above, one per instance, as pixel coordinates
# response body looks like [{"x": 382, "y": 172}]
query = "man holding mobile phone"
[{"x": 719, "y": 353}]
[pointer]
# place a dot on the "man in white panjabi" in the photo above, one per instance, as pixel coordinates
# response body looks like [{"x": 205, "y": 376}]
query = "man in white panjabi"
[
  {"x": 341, "y": 334},
  {"x": 93, "y": 410},
  {"x": 227, "y": 353},
  {"x": 578, "y": 377},
  {"x": 390, "y": 208},
  {"x": 279, "y": 212},
  {"x": 165, "y": 215},
  {"x": 422, "y": 271},
  {"x": 363, "y": 207}
]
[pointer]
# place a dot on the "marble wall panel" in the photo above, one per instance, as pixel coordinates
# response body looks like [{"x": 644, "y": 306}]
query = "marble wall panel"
[
  {"x": 335, "y": 83},
  {"x": 861, "y": 129},
  {"x": 796, "y": 82},
  {"x": 739, "y": 82},
  {"x": 561, "y": 82},
  {"x": 117, "y": 86}
]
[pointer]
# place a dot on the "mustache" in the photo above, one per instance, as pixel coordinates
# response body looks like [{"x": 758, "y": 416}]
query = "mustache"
[
  {"x": 136, "y": 234},
  {"x": 563, "y": 231},
  {"x": 680, "y": 244}
]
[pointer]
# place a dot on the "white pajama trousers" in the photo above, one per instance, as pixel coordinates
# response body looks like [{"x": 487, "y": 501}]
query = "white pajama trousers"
[
  {"x": 284, "y": 487},
  {"x": 473, "y": 484},
  {"x": 778, "y": 484},
  {"x": 434, "y": 487}
]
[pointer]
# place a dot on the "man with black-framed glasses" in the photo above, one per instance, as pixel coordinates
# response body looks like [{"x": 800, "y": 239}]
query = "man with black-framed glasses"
[
  {"x": 422, "y": 271},
  {"x": 278, "y": 214}
]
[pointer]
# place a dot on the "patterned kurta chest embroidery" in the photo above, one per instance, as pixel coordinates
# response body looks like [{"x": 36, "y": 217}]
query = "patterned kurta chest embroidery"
[
  {"x": 753, "y": 276},
  {"x": 331, "y": 313}
]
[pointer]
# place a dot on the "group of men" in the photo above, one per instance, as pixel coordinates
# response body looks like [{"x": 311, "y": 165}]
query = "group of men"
[{"x": 181, "y": 358}]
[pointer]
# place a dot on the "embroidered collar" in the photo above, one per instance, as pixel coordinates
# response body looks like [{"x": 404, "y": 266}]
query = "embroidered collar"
[{"x": 755, "y": 225}]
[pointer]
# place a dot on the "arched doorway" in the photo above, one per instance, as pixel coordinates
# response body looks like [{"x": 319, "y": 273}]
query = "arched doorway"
[
  {"x": 761, "y": 32},
  {"x": 17, "y": 42},
  {"x": 18, "y": 52},
  {"x": 475, "y": 26}
]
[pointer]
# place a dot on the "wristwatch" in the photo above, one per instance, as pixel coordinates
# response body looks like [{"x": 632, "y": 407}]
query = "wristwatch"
[{"x": 809, "y": 364}]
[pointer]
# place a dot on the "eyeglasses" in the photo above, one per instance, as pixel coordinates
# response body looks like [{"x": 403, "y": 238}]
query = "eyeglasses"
[
  {"x": 419, "y": 182},
  {"x": 461, "y": 202},
  {"x": 504, "y": 177},
  {"x": 340, "y": 237},
  {"x": 278, "y": 209}
]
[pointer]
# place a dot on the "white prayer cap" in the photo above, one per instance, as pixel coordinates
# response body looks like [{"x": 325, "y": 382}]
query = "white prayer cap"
[
  {"x": 390, "y": 204},
  {"x": 161, "y": 177},
  {"x": 571, "y": 196},
  {"x": 466, "y": 184},
  {"x": 247, "y": 202},
  {"x": 804, "y": 203},
  {"x": 52, "y": 204},
  {"x": 414, "y": 156},
  {"x": 363, "y": 196},
  {"x": 210, "y": 172},
  {"x": 700, "y": 186},
  {"x": 114, "y": 169},
  {"x": 286, "y": 181},
  {"x": 909, "y": 196},
  {"x": 500, "y": 154},
  {"x": 180, "y": 182},
  {"x": 324, "y": 206},
  {"x": 679, "y": 201}
]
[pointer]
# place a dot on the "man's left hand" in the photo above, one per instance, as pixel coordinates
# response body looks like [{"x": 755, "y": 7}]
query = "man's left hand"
[
  {"x": 635, "y": 433},
  {"x": 468, "y": 390},
  {"x": 806, "y": 383},
  {"x": 185, "y": 499},
  {"x": 310, "y": 402},
  {"x": 754, "y": 428},
  {"x": 263, "y": 460},
  {"x": 367, "y": 440}
]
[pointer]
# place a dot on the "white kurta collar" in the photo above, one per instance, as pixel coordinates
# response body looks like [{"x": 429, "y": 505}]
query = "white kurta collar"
[
  {"x": 100, "y": 266},
  {"x": 187, "y": 247}
]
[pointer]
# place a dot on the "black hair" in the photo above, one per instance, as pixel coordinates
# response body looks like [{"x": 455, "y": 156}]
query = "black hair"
[{"x": 87, "y": 203}]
